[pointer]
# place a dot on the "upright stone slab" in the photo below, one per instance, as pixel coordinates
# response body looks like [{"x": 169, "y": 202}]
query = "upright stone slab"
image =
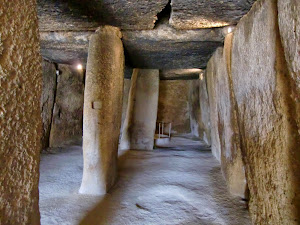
[
  {"x": 266, "y": 114},
  {"x": 102, "y": 110},
  {"x": 289, "y": 25},
  {"x": 66, "y": 128},
  {"x": 213, "y": 69},
  {"x": 194, "y": 106},
  {"x": 173, "y": 104},
  {"x": 140, "y": 123},
  {"x": 204, "y": 124},
  {"x": 20, "y": 113},
  {"x": 126, "y": 89},
  {"x": 48, "y": 98}
]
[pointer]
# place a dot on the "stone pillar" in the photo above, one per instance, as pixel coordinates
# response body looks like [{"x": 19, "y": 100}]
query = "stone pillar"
[
  {"x": 20, "y": 112},
  {"x": 140, "y": 122},
  {"x": 102, "y": 110}
]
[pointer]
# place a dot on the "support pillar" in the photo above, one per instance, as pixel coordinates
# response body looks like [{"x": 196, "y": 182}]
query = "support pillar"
[
  {"x": 140, "y": 123},
  {"x": 102, "y": 110}
]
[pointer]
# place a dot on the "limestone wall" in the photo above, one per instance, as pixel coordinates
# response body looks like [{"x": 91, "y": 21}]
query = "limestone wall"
[
  {"x": 226, "y": 141},
  {"x": 173, "y": 104},
  {"x": 263, "y": 73},
  {"x": 48, "y": 99},
  {"x": 66, "y": 127},
  {"x": 194, "y": 108},
  {"x": 62, "y": 105},
  {"x": 204, "y": 122},
  {"x": 20, "y": 113}
]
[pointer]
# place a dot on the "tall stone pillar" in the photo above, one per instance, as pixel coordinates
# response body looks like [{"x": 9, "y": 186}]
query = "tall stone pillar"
[
  {"x": 102, "y": 110},
  {"x": 140, "y": 123}
]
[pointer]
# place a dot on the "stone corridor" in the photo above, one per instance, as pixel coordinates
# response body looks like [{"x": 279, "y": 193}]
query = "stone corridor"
[{"x": 179, "y": 184}]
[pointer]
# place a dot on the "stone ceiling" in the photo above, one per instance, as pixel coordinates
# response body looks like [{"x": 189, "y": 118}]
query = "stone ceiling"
[{"x": 156, "y": 33}]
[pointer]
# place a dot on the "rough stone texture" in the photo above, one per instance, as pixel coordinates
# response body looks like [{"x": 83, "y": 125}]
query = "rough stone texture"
[
  {"x": 139, "y": 126},
  {"x": 163, "y": 47},
  {"x": 193, "y": 14},
  {"x": 194, "y": 107},
  {"x": 65, "y": 47},
  {"x": 267, "y": 118},
  {"x": 66, "y": 127},
  {"x": 214, "y": 67},
  {"x": 180, "y": 74},
  {"x": 173, "y": 104},
  {"x": 204, "y": 123},
  {"x": 20, "y": 113},
  {"x": 48, "y": 99},
  {"x": 167, "y": 48},
  {"x": 81, "y": 15},
  {"x": 225, "y": 121},
  {"x": 102, "y": 110},
  {"x": 126, "y": 89},
  {"x": 289, "y": 25}
]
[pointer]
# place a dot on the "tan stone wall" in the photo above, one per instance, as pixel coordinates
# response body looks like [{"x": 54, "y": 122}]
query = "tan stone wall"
[
  {"x": 20, "y": 113},
  {"x": 194, "y": 108},
  {"x": 66, "y": 127},
  {"x": 126, "y": 88},
  {"x": 48, "y": 99},
  {"x": 224, "y": 118},
  {"x": 266, "y": 96},
  {"x": 173, "y": 104},
  {"x": 204, "y": 122}
]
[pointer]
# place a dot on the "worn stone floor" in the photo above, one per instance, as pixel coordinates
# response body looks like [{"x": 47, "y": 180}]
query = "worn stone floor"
[{"x": 178, "y": 185}]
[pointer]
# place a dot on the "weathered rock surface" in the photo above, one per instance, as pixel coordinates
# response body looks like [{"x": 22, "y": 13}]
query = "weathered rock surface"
[
  {"x": 225, "y": 120},
  {"x": 48, "y": 99},
  {"x": 167, "y": 48},
  {"x": 194, "y": 107},
  {"x": 66, "y": 127},
  {"x": 20, "y": 113},
  {"x": 204, "y": 123},
  {"x": 289, "y": 25},
  {"x": 139, "y": 126},
  {"x": 102, "y": 110},
  {"x": 180, "y": 74},
  {"x": 214, "y": 68},
  {"x": 173, "y": 104},
  {"x": 161, "y": 48},
  {"x": 266, "y": 113},
  {"x": 65, "y": 47},
  {"x": 126, "y": 89},
  {"x": 77, "y": 15},
  {"x": 193, "y": 14}
]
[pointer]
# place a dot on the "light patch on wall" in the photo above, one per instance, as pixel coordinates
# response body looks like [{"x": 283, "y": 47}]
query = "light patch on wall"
[{"x": 79, "y": 67}]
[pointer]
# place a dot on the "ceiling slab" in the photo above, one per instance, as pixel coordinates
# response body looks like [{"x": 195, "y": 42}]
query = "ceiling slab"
[
  {"x": 194, "y": 14},
  {"x": 161, "y": 48},
  {"x": 83, "y": 15}
]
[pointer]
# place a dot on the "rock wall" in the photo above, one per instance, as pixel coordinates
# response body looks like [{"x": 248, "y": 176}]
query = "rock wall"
[
  {"x": 66, "y": 127},
  {"x": 262, "y": 64},
  {"x": 214, "y": 68},
  {"x": 204, "y": 122},
  {"x": 173, "y": 104},
  {"x": 139, "y": 126},
  {"x": 48, "y": 99},
  {"x": 20, "y": 113},
  {"x": 267, "y": 116},
  {"x": 194, "y": 108},
  {"x": 126, "y": 89},
  {"x": 225, "y": 130}
]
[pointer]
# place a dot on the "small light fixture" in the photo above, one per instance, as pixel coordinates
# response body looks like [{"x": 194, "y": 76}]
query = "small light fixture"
[{"x": 79, "y": 67}]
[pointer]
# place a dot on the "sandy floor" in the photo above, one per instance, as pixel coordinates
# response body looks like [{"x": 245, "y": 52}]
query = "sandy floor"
[{"x": 179, "y": 185}]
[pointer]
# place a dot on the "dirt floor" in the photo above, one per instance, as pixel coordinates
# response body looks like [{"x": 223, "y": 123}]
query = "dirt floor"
[{"x": 180, "y": 184}]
